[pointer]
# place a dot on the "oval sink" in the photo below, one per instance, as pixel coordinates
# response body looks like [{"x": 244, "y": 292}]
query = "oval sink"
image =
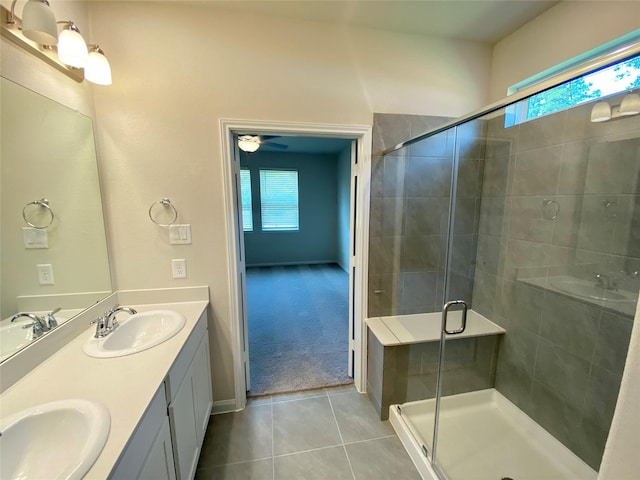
[
  {"x": 136, "y": 333},
  {"x": 55, "y": 440}
]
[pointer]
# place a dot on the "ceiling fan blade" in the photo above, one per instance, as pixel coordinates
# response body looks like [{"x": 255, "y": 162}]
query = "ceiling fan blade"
[
  {"x": 269, "y": 137},
  {"x": 275, "y": 145}
]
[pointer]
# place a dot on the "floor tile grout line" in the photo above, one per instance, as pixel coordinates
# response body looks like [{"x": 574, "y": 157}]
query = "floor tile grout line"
[
  {"x": 273, "y": 444},
  {"x": 240, "y": 462},
  {"x": 296, "y": 453},
  {"x": 311, "y": 450},
  {"x": 335, "y": 418},
  {"x": 392, "y": 435},
  {"x": 298, "y": 399}
]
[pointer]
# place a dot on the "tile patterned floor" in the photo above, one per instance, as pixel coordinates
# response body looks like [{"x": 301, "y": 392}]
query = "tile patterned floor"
[{"x": 323, "y": 434}]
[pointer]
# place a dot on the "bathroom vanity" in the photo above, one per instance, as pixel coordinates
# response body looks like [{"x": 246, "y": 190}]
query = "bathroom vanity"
[{"x": 159, "y": 399}]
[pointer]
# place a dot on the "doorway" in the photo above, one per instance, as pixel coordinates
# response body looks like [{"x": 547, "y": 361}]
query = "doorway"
[
  {"x": 296, "y": 206},
  {"x": 357, "y": 244}
]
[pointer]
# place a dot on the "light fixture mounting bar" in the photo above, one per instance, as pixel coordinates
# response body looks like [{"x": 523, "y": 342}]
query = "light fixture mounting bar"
[{"x": 12, "y": 32}]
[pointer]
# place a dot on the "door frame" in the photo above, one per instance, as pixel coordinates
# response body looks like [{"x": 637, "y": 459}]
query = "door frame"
[{"x": 362, "y": 135}]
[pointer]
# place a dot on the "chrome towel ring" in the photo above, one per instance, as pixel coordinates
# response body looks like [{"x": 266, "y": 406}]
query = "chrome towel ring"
[
  {"x": 165, "y": 202},
  {"x": 44, "y": 203}
]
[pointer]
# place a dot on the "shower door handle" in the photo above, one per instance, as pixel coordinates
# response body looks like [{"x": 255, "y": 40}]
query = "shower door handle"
[{"x": 445, "y": 312}]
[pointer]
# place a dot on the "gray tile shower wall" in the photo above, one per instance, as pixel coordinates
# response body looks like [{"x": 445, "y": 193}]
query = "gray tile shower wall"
[
  {"x": 562, "y": 358},
  {"x": 410, "y": 191},
  {"x": 405, "y": 373}
]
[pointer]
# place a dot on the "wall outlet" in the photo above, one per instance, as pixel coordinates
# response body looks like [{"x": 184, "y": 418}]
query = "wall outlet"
[
  {"x": 179, "y": 266},
  {"x": 45, "y": 274}
]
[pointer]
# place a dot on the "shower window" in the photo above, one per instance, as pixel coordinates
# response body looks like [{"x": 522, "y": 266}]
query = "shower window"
[{"x": 618, "y": 78}]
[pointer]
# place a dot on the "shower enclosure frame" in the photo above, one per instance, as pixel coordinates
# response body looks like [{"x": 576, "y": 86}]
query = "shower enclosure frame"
[{"x": 596, "y": 64}]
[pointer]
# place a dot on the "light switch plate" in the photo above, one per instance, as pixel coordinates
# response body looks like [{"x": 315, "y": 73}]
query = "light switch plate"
[
  {"x": 34, "y": 237},
  {"x": 180, "y": 234}
]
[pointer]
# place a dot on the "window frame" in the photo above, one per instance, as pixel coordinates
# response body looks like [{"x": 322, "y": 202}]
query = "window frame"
[
  {"x": 517, "y": 113},
  {"x": 278, "y": 228}
]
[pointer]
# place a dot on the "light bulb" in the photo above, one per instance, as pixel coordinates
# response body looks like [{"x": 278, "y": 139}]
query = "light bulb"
[
  {"x": 39, "y": 22},
  {"x": 72, "y": 49},
  {"x": 630, "y": 104},
  {"x": 98, "y": 69},
  {"x": 248, "y": 143},
  {"x": 601, "y": 112}
]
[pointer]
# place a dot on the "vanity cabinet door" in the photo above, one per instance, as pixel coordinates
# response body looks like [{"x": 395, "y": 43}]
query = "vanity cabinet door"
[
  {"x": 202, "y": 389},
  {"x": 159, "y": 463},
  {"x": 183, "y": 429},
  {"x": 189, "y": 412}
]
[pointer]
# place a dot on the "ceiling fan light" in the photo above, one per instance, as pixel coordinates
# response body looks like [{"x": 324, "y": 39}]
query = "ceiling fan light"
[
  {"x": 72, "y": 49},
  {"x": 248, "y": 143},
  {"x": 39, "y": 22}
]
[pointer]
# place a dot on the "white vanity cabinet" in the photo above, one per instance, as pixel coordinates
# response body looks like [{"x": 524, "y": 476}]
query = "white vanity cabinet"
[
  {"x": 159, "y": 463},
  {"x": 149, "y": 452},
  {"x": 167, "y": 442},
  {"x": 189, "y": 395}
]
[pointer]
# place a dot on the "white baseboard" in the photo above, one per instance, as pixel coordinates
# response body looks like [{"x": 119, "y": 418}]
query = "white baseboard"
[
  {"x": 224, "y": 406},
  {"x": 284, "y": 264}
]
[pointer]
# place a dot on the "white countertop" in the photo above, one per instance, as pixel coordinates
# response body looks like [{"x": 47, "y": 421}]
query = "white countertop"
[{"x": 125, "y": 385}]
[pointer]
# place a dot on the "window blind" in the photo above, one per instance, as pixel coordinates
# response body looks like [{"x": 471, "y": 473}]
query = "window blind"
[
  {"x": 279, "y": 199},
  {"x": 245, "y": 192}
]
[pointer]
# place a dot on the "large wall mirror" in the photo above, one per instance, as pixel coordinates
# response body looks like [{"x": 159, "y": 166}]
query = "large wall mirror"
[{"x": 49, "y": 179}]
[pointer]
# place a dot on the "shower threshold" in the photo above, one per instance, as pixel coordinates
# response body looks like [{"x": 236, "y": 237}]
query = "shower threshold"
[{"x": 483, "y": 436}]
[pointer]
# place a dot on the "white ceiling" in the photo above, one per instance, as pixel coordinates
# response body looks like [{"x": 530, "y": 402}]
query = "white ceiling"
[{"x": 484, "y": 21}]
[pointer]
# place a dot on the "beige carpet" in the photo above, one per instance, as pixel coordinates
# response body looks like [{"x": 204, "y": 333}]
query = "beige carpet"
[{"x": 298, "y": 327}]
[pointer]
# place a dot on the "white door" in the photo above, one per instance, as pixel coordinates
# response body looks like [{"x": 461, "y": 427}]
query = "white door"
[
  {"x": 352, "y": 256},
  {"x": 241, "y": 264}
]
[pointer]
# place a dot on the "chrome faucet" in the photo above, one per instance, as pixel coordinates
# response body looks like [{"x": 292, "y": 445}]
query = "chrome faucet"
[
  {"x": 107, "y": 323},
  {"x": 607, "y": 282},
  {"x": 51, "y": 320},
  {"x": 39, "y": 324}
]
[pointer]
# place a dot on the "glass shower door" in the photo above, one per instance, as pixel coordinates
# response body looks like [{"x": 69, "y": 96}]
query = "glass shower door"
[{"x": 465, "y": 360}]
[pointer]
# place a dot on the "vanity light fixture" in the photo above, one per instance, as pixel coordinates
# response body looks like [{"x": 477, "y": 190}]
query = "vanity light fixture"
[
  {"x": 37, "y": 33},
  {"x": 630, "y": 104},
  {"x": 248, "y": 143},
  {"x": 603, "y": 111},
  {"x": 97, "y": 69},
  {"x": 72, "y": 49},
  {"x": 38, "y": 22}
]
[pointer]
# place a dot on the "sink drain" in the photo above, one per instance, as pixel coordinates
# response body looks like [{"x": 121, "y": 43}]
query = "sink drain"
[{"x": 506, "y": 478}]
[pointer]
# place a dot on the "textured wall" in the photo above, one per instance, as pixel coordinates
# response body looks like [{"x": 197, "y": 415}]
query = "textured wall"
[{"x": 559, "y": 34}]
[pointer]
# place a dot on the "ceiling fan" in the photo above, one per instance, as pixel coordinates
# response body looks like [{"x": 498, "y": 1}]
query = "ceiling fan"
[{"x": 251, "y": 143}]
